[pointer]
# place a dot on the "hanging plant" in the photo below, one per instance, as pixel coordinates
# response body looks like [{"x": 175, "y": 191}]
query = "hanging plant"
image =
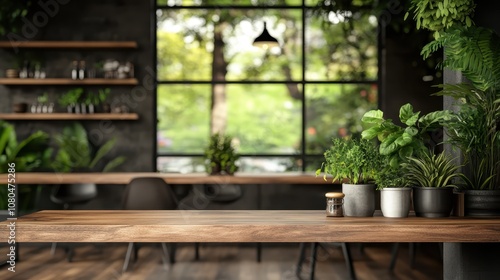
[{"x": 437, "y": 15}]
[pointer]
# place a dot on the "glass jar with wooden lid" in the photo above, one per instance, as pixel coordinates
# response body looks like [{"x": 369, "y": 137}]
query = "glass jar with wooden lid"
[{"x": 334, "y": 204}]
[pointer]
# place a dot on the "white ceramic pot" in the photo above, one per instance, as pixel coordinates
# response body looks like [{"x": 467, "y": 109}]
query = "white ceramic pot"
[{"x": 395, "y": 202}]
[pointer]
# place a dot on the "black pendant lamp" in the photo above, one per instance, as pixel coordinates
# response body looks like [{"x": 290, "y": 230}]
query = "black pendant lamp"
[{"x": 265, "y": 40}]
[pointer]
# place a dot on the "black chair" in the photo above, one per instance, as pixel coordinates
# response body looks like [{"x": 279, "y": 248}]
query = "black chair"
[
  {"x": 149, "y": 193},
  {"x": 314, "y": 250},
  {"x": 69, "y": 196}
]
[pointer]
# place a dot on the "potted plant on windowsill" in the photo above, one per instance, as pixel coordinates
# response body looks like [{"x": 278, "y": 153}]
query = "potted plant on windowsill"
[
  {"x": 432, "y": 177},
  {"x": 220, "y": 155},
  {"x": 354, "y": 162}
]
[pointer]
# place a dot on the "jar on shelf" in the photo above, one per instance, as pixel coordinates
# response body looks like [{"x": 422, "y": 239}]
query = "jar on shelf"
[{"x": 334, "y": 204}]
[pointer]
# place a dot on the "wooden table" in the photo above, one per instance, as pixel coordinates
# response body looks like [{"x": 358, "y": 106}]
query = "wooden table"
[
  {"x": 463, "y": 256},
  {"x": 243, "y": 226},
  {"x": 171, "y": 178}
]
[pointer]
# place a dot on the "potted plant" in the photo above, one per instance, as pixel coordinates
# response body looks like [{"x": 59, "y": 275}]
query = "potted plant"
[
  {"x": 71, "y": 100},
  {"x": 102, "y": 96},
  {"x": 474, "y": 51},
  {"x": 432, "y": 177},
  {"x": 76, "y": 153},
  {"x": 400, "y": 142},
  {"x": 31, "y": 154},
  {"x": 397, "y": 144},
  {"x": 354, "y": 162},
  {"x": 220, "y": 155},
  {"x": 395, "y": 193}
]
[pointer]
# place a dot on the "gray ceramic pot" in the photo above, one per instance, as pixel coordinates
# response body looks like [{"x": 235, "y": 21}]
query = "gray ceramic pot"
[
  {"x": 359, "y": 200},
  {"x": 395, "y": 202},
  {"x": 433, "y": 202},
  {"x": 482, "y": 202}
]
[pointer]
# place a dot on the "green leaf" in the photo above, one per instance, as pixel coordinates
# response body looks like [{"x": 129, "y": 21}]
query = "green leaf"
[
  {"x": 411, "y": 131},
  {"x": 371, "y": 132},
  {"x": 6, "y": 131},
  {"x": 432, "y": 120},
  {"x": 114, "y": 163},
  {"x": 407, "y": 116},
  {"x": 404, "y": 139},
  {"x": 406, "y": 152},
  {"x": 389, "y": 145},
  {"x": 373, "y": 117},
  {"x": 103, "y": 150}
]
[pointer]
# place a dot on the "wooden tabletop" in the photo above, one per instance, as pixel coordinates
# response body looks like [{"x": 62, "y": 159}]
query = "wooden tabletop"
[
  {"x": 243, "y": 226},
  {"x": 171, "y": 178}
]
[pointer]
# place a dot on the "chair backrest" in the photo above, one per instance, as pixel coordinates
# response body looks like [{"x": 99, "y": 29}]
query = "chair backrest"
[
  {"x": 74, "y": 193},
  {"x": 149, "y": 193}
]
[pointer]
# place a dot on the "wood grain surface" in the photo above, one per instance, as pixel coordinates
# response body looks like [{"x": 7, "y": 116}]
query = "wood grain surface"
[
  {"x": 171, "y": 178},
  {"x": 243, "y": 226}
]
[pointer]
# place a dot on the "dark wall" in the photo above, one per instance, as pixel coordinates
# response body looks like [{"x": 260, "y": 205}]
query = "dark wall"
[
  {"x": 93, "y": 20},
  {"x": 404, "y": 70}
]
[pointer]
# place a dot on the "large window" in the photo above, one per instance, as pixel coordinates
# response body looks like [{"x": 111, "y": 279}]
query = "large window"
[{"x": 281, "y": 105}]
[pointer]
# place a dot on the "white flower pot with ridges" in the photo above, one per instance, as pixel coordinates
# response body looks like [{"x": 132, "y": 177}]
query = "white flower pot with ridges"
[
  {"x": 395, "y": 202},
  {"x": 359, "y": 200}
]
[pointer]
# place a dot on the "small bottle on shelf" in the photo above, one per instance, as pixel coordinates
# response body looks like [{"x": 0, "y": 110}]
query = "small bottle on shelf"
[
  {"x": 24, "y": 72},
  {"x": 81, "y": 70},
  {"x": 74, "y": 70},
  {"x": 37, "y": 71}
]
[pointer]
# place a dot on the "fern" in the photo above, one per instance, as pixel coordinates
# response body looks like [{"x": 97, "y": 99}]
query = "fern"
[{"x": 475, "y": 51}]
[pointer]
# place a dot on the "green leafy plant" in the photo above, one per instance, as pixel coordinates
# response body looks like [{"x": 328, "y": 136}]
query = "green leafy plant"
[
  {"x": 71, "y": 97},
  {"x": 475, "y": 52},
  {"x": 97, "y": 98},
  {"x": 28, "y": 155},
  {"x": 355, "y": 161},
  {"x": 438, "y": 15},
  {"x": 474, "y": 130},
  {"x": 431, "y": 171},
  {"x": 472, "y": 50},
  {"x": 11, "y": 15},
  {"x": 398, "y": 142},
  {"x": 44, "y": 98},
  {"x": 31, "y": 154},
  {"x": 389, "y": 177},
  {"x": 77, "y": 153},
  {"x": 103, "y": 95},
  {"x": 220, "y": 155}
]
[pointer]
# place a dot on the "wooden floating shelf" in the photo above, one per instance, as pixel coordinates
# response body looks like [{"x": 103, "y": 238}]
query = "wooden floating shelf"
[
  {"x": 67, "y": 116},
  {"x": 72, "y": 44},
  {"x": 64, "y": 81}
]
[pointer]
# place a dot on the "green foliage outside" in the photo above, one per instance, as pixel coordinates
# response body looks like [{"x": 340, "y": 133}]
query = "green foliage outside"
[{"x": 263, "y": 118}]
